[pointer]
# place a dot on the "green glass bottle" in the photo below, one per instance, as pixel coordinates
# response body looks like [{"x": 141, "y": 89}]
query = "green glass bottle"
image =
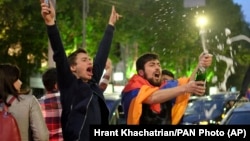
[{"x": 201, "y": 74}]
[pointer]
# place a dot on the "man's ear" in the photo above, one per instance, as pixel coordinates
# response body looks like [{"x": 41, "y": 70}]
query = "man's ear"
[
  {"x": 72, "y": 68},
  {"x": 141, "y": 72},
  {"x": 56, "y": 86}
]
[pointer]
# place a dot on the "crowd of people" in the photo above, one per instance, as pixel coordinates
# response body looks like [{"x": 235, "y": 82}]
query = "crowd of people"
[{"x": 74, "y": 90}]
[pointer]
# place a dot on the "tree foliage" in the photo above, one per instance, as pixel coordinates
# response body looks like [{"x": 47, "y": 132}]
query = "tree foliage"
[{"x": 22, "y": 33}]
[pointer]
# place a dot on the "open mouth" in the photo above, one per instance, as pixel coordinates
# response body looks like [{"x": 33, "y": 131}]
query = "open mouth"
[
  {"x": 157, "y": 75},
  {"x": 89, "y": 69}
]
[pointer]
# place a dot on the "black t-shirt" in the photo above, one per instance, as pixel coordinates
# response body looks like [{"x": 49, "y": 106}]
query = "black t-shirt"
[{"x": 150, "y": 117}]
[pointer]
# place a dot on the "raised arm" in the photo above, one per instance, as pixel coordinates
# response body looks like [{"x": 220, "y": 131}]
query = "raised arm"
[
  {"x": 59, "y": 55},
  {"x": 106, "y": 76},
  {"x": 104, "y": 46}
]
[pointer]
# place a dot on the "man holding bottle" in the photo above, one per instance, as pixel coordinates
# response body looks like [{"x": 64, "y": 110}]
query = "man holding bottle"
[{"x": 144, "y": 96}]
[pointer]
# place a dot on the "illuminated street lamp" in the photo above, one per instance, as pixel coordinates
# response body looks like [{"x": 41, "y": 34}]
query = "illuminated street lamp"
[{"x": 201, "y": 21}]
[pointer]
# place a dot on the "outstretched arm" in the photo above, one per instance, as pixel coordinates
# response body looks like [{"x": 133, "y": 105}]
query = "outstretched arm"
[{"x": 205, "y": 60}]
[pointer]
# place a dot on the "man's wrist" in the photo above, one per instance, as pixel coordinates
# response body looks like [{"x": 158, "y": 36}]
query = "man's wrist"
[{"x": 106, "y": 76}]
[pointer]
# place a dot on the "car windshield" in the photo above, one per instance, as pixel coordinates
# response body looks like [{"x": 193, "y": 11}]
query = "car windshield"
[
  {"x": 239, "y": 118},
  {"x": 207, "y": 108}
]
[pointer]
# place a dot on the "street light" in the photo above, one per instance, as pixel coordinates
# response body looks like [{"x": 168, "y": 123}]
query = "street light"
[{"x": 201, "y": 21}]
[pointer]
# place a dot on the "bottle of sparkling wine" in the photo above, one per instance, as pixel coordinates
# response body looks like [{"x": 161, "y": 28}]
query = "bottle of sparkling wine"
[{"x": 201, "y": 74}]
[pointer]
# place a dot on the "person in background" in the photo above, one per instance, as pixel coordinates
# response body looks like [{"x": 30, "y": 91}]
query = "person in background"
[
  {"x": 82, "y": 99},
  {"x": 106, "y": 75},
  {"x": 25, "y": 108},
  {"x": 248, "y": 94},
  {"x": 167, "y": 75},
  {"x": 51, "y": 105},
  {"x": 145, "y": 91}
]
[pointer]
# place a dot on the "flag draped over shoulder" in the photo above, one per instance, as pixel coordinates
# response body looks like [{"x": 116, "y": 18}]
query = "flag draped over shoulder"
[
  {"x": 137, "y": 90},
  {"x": 134, "y": 103},
  {"x": 180, "y": 104}
]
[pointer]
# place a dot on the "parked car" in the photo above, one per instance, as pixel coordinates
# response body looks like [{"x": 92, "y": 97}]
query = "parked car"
[
  {"x": 239, "y": 114},
  {"x": 113, "y": 101},
  {"x": 208, "y": 109}
]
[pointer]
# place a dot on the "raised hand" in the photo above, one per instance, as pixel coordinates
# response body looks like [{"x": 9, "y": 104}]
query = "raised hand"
[
  {"x": 205, "y": 60},
  {"x": 48, "y": 12},
  {"x": 114, "y": 16}
]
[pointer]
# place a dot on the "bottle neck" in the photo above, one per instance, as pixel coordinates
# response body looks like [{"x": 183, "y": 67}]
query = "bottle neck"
[{"x": 201, "y": 70}]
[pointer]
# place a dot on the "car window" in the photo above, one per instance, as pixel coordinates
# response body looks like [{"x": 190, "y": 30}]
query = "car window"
[{"x": 239, "y": 118}]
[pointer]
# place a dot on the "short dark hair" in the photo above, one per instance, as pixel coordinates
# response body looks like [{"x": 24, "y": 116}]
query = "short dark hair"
[
  {"x": 167, "y": 72},
  {"x": 142, "y": 60},
  {"x": 72, "y": 56},
  {"x": 49, "y": 79}
]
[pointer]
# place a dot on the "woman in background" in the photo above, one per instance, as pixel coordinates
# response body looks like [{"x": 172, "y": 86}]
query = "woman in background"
[{"x": 25, "y": 108}]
